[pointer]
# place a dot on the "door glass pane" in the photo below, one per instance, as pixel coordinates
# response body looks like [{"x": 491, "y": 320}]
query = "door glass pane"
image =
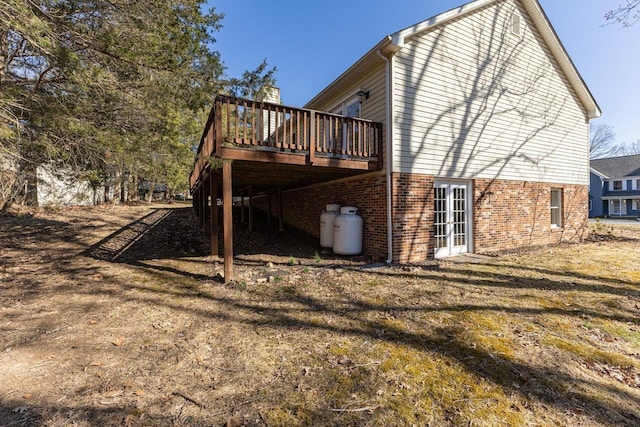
[
  {"x": 459, "y": 217},
  {"x": 440, "y": 217}
]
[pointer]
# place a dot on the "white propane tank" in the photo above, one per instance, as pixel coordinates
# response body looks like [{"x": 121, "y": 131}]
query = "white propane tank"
[
  {"x": 347, "y": 232},
  {"x": 326, "y": 225}
]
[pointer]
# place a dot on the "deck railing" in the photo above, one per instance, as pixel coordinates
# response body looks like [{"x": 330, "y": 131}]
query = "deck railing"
[{"x": 237, "y": 123}]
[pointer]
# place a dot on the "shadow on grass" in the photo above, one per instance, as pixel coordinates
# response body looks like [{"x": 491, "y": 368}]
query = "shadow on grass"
[
  {"x": 149, "y": 238},
  {"x": 355, "y": 317}
]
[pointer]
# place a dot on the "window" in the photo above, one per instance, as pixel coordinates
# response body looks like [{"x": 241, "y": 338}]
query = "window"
[
  {"x": 635, "y": 204},
  {"x": 556, "y": 207},
  {"x": 617, "y": 185},
  {"x": 590, "y": 205},
  {"x": 349, "y": 107},
  {"x": 637, "y": 184}
]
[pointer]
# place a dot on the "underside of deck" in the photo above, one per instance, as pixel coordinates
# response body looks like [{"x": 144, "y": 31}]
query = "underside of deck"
[{"x": 250, "y": 148}]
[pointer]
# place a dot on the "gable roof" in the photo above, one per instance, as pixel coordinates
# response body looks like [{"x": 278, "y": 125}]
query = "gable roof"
[
  {"x": 396, "y": 41},
  {"x": 618, "y": 167}
]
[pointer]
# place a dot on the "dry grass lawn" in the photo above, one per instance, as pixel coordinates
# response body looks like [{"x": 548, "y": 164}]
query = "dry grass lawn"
[{"x": 116, "y": 316}]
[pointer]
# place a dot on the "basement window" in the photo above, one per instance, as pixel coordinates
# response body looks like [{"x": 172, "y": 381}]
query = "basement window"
[{"x": 556, "y": 208}]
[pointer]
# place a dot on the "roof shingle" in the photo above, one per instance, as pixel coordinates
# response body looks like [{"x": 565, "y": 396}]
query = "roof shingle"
[{"x": 618, "y": 167}]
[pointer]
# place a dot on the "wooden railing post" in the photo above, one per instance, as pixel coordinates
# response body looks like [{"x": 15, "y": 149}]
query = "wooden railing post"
[
  {"x": 378, "y": 145},
  {"x": 312, "y": 137},
  {"x": 217, "y": 126}
]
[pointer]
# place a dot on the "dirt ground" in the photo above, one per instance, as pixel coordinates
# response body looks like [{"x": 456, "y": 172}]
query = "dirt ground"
[{"x": 116, "y": 316}]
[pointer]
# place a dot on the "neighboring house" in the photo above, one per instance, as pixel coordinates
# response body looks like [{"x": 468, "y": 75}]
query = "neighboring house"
[
  {"x": 63, "y": 189},
  {"x": 485, "y": 138},
  {"x": 159, "y": 190},
  {"x": 615, "y": 187}
]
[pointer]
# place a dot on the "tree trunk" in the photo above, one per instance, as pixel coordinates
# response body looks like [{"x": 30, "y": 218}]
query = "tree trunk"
[{"x": 152, "y": 186}]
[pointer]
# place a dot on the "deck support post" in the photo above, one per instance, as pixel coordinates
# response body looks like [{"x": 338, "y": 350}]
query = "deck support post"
[
  {"x": 250, "y": 209},
  {"x": 242, "y": 206},
  {"x": 205, "y": 204},
  {"x": 280, "y": 210},
  {"x": 269, "y": 209},
  {"x": 206, "y": 190},
  {"x": 199, "y": 207},
  {"x": 196, "y": 202},
  {"x": 227, "y": 206},
  {"x": 213, "y": 189}
]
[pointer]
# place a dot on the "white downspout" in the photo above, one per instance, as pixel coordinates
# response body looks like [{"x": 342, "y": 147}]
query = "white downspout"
[{"x": 389, "y": 159}]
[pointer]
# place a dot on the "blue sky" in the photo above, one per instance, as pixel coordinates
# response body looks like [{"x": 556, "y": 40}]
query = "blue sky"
[{"x": 313, "y": 42}]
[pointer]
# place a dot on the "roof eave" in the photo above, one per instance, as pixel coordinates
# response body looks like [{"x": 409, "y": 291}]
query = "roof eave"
[
  {"x": 548, "y": 33},
  {"x": 597, "y": 172},
  {"x": 385, "y": 45}
]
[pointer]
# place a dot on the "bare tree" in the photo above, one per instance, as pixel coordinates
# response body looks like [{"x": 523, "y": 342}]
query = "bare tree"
[
  {"x": 633, "y": 148},
  {"x": 602, "y": 141},
  {"x": 626, "y": 14}
]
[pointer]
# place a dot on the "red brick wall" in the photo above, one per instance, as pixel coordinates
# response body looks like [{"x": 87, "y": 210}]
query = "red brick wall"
[
  {"x": 516, "y": 214},
  {"x": 302, "y": 208},
  {"x": 510, "y": 214},
  {"x": 412, "y": 217}
]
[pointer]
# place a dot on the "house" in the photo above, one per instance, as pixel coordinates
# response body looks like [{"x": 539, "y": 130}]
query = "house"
[
  {"x": 46, "y": 185},
  {"x": 63, "y": 188},
  {"x": 467, "y": 132},
  {"x": 615, "y": 187}
]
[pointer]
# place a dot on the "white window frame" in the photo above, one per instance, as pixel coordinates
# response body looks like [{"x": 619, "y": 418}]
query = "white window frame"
[
  {"x": 555, "y": 207},
  {"x": 341, "y": 107}
]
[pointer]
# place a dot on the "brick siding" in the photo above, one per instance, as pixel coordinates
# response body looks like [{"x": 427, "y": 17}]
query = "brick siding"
[
  {"x": 514, "y": 214},
  {"x": 507, "y": 214},
  {"x": 302, "y": 208}
]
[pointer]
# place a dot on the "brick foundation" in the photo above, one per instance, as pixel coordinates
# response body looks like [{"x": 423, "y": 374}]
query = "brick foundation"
[
  {"x": 516, "y": 214},
  {"x": 506, "y": 214},
  {"x": 412, "y": 217}
]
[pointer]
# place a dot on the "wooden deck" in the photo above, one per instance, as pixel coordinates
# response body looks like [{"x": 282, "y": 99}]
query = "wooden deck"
[{"x": 249, "y": 148}]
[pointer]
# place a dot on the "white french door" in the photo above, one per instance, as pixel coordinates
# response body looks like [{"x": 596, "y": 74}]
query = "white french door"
[{"x": 452, "y": 218}]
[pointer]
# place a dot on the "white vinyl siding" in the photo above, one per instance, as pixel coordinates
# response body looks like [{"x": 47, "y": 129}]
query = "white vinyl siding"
[{"x": 472, "y": 101}]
